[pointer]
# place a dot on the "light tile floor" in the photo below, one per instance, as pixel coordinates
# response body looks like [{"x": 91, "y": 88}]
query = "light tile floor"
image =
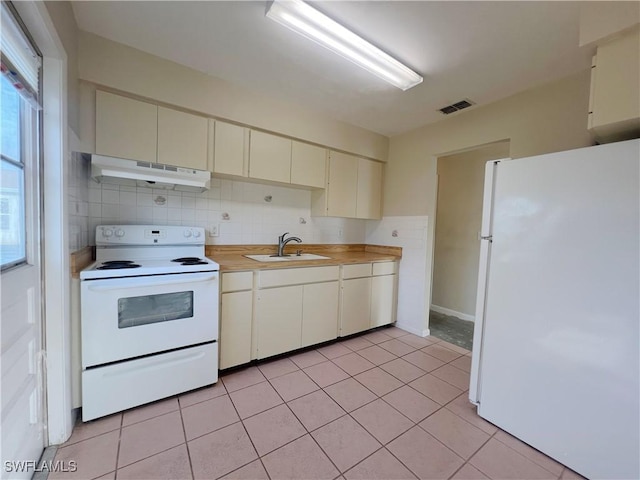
[{"x": 384, "y": 405}]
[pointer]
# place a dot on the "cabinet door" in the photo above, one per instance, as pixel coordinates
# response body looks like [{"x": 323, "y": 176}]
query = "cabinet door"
[
  {"x": 342, "y": 189},
  {"x": 319, "y": 313},
  {"x": 270, "y": 157},
  {"x": 616, "y": 95},
  {"x": 382, "y": 300},
  {"x": 279, "y": 318},
  {"x": 126, "y": 128},
  {"x": 308, "y": 165},
  {"x": 182, "y": 139},
  {"x": 230, "y": 150},
  {"x": 369, "y": 194},
  {"x": 235, "y": 328},
  {"x": 355, "y": 313}
]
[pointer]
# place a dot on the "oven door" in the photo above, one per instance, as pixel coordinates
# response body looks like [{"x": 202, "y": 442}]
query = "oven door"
[{"x": 129, "y": 317}]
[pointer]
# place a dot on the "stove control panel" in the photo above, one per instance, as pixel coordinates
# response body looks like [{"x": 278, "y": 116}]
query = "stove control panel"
[{"x": 149, "y": 235}]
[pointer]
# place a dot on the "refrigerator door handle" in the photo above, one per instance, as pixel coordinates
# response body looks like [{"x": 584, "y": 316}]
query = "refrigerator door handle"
[{"x": 483, "y": 275}]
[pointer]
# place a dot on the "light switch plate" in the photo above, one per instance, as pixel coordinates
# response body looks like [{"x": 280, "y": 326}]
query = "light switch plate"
[{"x": 214, "y": 230}]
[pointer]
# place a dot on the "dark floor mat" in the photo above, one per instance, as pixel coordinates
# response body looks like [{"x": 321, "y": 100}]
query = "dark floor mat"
[{"x": 451, "y": 329}]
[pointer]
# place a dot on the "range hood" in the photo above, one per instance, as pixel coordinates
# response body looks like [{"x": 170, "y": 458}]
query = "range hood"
[{"x": 147, "y": 174}]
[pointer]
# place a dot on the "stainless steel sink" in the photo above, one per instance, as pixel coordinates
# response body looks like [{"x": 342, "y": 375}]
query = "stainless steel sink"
[{"x": 286, "y": 258}]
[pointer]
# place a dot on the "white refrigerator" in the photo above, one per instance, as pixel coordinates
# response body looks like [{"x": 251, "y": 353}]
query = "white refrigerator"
[{"x": 555, "y": 350}]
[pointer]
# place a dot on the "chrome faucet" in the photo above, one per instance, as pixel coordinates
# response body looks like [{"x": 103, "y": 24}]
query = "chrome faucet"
[{"x": 282, "y": 242}]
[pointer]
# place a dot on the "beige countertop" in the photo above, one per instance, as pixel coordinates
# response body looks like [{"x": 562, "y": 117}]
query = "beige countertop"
[{"x": 232, "y": 258}]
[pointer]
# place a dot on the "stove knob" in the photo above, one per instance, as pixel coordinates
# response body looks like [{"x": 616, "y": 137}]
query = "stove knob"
[
  {"x": 196, "y": 234},
  {"x": 107, "y": 232},
  {"x": 119, "y": 233},
  {"x": 187, "y": 233}
]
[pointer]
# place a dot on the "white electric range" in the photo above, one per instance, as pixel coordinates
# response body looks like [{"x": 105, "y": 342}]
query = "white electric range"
[{"x": 149, "y": 316}]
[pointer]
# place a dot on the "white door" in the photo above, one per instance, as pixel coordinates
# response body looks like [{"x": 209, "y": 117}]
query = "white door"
[
  {"x": 559, "y": 363},
  {"x": 22, "y": 422}
]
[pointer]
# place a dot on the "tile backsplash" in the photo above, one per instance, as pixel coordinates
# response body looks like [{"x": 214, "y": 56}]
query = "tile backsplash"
[
  {"x": 78, "y": 172},
  {"x": 244, "y": 213},
  {"x": 410, "y": 233}
]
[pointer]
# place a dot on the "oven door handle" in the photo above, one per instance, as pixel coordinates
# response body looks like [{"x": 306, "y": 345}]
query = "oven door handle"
[{"x": 119, "y": 283}]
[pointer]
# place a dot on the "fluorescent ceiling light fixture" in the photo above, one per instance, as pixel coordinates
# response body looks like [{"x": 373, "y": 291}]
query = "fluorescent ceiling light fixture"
[{"x": 307, "y": 21}]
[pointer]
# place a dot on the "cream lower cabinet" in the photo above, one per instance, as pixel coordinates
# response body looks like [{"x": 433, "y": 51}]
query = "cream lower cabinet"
[
  {"x": 279, "y": 317},
  {"x": 296, "y": 307},
  {"x": 368, "y": 296},
  {"x": 382, "y": 300},
  {"x": 319, "y": 313},
  {"x": 355, "y": 314},
  {"x": 291, "y": 308},
  {"x": 236, "y": 318}
]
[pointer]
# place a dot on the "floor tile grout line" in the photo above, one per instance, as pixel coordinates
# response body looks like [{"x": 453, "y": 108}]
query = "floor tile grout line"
[
  {"x": 186, "y": 442},
  {"x": 244, "y": 427},
  {"x": 476, "y": 452},
  {"x": 522, "y": 455},
  {"x": 489, "y": 437},
  {"x": 152, "y": 417},
  {"x": 150, "y": 456},
  {"x": 371, "y": 433},
  {"x": 115, "y": 475}
]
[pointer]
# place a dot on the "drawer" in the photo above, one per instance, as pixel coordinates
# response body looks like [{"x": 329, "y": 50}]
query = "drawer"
[
  {"x": 235, "y": 281},
  {"x": 385, "y": 268},
  {"x": 297, "y": 276},
  {"x": 356, "y": 271}
]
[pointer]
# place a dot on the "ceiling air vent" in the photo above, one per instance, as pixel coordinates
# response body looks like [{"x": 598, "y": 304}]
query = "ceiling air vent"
[{"x": 454, "y": 107}]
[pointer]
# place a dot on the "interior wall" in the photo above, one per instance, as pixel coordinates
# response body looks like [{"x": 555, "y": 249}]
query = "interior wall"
[
  {"x": 547, "y": 119},
  {"x": 458, "y": 221},
  {"x": 123, "y": 68},
  {"x": 61, "y": 15}
]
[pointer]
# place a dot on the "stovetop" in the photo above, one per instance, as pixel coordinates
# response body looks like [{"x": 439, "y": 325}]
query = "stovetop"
[
  {"x": 139, "y": 267},
  {"x": 139, "y": 250}
]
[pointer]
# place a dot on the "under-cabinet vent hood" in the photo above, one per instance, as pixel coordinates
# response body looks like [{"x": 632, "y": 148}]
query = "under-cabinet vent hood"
[{"x": 105, "y": 169}]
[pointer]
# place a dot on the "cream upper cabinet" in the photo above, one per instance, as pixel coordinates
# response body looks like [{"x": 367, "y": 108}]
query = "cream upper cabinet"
[
  {"x": 319, "y": 312},
  {"x": 369, "y": 194},
  {"x": 354, "y": 189},
  {"x": 269, "y": 157},
  {"x": 230, "y": 153},
  {"x": 308, "y": 165},
  {"x": 342, "y": 189},
  {"x": 615, "y": 93},
  {"x": 182, "y": 139},
  {"x": 126, "y": 128}
]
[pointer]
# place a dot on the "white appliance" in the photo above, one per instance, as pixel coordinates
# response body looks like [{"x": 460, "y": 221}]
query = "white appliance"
[
  {"x": 148, "y": 174},
  {"x": 555, "y": 349},
  {"x": 149, "y": 316}
]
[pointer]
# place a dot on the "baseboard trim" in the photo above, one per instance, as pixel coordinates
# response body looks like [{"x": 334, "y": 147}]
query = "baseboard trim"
[
  {"x": 448, "y": 311},
  {"x": 415, "y": 331}
]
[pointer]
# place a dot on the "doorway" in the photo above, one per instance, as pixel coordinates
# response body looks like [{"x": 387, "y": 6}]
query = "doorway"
[
  {"x": 23, "y": 421},
  {"x": 457, "y": 243}
]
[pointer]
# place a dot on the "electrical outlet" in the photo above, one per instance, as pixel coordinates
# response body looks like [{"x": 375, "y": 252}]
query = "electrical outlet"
[
  {"x": 340, "y": 233},
  {"x": 214, "y": 231}
]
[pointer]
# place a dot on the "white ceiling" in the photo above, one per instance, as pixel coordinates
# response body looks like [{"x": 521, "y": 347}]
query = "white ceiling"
[{"x": 483, "y": 51}]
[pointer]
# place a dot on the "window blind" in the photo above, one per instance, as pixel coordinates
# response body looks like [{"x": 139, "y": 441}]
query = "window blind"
[{"x": 20, "y": 60}]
